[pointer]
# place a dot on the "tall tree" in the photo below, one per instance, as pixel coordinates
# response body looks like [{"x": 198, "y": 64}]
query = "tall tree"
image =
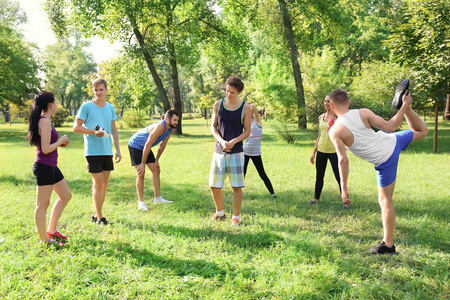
[
  {"x": 168, "y": 28},
  {"x": 67, "y": 66},
  {"x": 287, "y": 28},
  {"x": 18, "y": 67},
  {"x": 422, "y": 42}
]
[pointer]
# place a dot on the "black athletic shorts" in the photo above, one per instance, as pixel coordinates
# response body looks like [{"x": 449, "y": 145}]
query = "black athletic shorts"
[
  {"x": 99, "y": 163},
  {"x": 136, "y": 156},
  {"x": 46, "y": 175}
]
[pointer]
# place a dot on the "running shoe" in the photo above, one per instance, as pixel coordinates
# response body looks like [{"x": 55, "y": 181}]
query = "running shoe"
[
  {"x": 142, "y": 206},
  {"x": 313, "y": 202},
  {"x": 103, "y": 222},
  {"x": 381, "y": 248},
  {"x": 94, "y": 219},
  {"x": 55, "y": 243},
  {"x": 219, "y": 218},
  {"x": 234, "y": 222},
  {"x": 57, "y": 236},
  {"x": 397, "y": 102},
  {"x": 161, "y": 200}
]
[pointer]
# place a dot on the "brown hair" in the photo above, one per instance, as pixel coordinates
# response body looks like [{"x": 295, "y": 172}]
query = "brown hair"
[
  {"x": 339, "y": 96},
  {"x": 99, "y": 81},
  {"x": 235, "y": 82},
  {"x": 169, "y": 114}
]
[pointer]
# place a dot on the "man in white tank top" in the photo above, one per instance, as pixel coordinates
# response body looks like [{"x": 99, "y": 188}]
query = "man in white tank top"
[{"x": 353, "y": 131}]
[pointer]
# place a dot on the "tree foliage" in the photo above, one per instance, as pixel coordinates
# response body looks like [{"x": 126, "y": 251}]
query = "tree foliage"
[
  {"x": 18, "y": 67},
  {"x": 167, "y": 28},
  {"x": 67, "y": 66},
  {"x": 422, "y": 42}
]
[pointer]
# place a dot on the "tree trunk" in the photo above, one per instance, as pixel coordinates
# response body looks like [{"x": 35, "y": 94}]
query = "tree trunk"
[
  {"x": 178, "y": 105},
  {"x": 295, "y": 65},
  {"x": 436, "y": 113},
  {"x": 447, "y": 107},
  {"x": 7, "y": 114},
  {"x": 151, "y": 66}
]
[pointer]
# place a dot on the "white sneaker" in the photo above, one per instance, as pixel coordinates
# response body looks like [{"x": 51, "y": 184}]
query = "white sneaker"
[
  {"x": 160, "y": 199},
  {"x": 142, "y": 206}
]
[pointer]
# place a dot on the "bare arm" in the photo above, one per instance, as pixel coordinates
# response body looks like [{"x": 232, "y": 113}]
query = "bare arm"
[
  {"x": 155, "y": 131},
  {"x": 79, "y": 128},
  {"x": 115, "y": 134},
  {"x": 256, "y": 115},
  {"x": 380, "y": 123},
  {"x": 247, "y": 128},
  {"x": 161, "y": 148},
  {"x": 214, "y": 131},
  {"x": 45, "y": 131},
  {"x": 316, "y": 145},
  {"x": 343, "y": 164}
]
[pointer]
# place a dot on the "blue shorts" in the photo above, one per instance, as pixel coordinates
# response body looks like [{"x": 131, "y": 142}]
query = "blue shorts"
[{"x": 387, "y": 171}]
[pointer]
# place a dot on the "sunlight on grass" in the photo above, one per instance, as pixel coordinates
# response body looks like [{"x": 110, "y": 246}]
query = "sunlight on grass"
[{"x": 282, "y": 250}]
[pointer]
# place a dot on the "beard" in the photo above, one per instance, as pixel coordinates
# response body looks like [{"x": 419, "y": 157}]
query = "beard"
[{"x": 171, "y": 125}]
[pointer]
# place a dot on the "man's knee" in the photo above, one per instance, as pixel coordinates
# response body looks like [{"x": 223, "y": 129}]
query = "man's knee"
[{"x": 237, "y": 190}]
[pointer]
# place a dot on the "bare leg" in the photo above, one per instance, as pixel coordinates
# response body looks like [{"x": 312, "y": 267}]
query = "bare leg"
[
  {"x": 217, "y": 197},
  {"x": 62, "y": 190},
  {"x": 43, "y": 194},
  {"x": 155, "y": 179},
  {"x": 140, "y": 186},
  {"x": 387, "y": 212},
  {"x": 237, "y": 200},
  {"x": 416, "y": 124},
  {"x": 99, "y": 186}
]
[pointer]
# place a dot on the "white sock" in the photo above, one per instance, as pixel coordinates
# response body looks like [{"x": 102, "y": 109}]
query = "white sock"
[
  {"x": 237, "y": 217},
  {"x": 220, "y": 213}
]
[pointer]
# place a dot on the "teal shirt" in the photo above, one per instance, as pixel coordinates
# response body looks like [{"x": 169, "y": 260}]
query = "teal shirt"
[{"x": 95, "y": 115}]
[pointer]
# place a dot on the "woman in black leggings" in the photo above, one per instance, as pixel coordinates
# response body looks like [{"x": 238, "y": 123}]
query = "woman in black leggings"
[
  {"x": 252, "y": 149},
  {"x": 325, "y": 151}
]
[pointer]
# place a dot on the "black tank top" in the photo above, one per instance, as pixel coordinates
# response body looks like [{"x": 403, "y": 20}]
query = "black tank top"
[{"x": 230, "y": 124}]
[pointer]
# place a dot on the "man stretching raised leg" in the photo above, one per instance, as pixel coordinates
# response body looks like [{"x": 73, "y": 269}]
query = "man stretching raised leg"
[{"x": 353, "y": 131}]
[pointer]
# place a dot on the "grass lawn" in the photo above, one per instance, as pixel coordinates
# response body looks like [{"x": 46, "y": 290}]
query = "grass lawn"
[{"x": 282, "y": 250}]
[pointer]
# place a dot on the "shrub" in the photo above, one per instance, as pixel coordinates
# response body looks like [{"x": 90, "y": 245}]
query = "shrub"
[
  {"x": 60, "y": 116},
  {"x": 284, "y": 133},
  {"x": 70, "y": 119},
  {"x": 134, "y": 118}
]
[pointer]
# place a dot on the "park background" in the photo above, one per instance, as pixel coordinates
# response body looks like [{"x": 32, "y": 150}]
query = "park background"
[{"x": 290, "y": 54}]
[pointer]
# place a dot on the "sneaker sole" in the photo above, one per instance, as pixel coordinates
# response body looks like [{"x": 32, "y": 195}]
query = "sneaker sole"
[{"x": 397, "y": 102}]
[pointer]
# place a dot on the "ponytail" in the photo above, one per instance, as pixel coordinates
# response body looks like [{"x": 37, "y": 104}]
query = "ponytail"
[{"x": 40, "y": 104}]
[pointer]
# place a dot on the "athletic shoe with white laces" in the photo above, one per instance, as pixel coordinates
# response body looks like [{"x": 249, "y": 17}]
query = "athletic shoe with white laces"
[
  {"x": 160, "y": 199},
  {"x": 142, "y": 206}
]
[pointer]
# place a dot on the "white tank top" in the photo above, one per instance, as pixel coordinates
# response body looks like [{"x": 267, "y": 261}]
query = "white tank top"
[{"x": 374, "y": 147}]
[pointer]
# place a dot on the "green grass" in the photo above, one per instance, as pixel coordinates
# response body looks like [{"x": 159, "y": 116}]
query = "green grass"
[{"x": 283, "y": 250}]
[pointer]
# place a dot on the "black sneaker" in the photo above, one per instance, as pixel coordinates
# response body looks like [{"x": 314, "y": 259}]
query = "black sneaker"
[
  {"x": 94, "y": 219},
  {"x": 381, "y": 248},
  {"x": 399, "y": 92},
  {"x": 102, "y": 221}
]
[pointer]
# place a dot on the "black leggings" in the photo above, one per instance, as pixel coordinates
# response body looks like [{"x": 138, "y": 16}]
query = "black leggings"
[
  {"x": 257, "y": 161},
  {"x": 321, "y": 165}
]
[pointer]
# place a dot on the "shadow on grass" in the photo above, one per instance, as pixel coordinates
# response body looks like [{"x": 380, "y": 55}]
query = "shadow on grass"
[
  {"x": 14, "y": 180},
  {"x": 142, "y": 257}
]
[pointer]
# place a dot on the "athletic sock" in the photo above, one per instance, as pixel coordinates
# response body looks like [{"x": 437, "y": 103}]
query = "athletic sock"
[{"x": 220, "y": 213}]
